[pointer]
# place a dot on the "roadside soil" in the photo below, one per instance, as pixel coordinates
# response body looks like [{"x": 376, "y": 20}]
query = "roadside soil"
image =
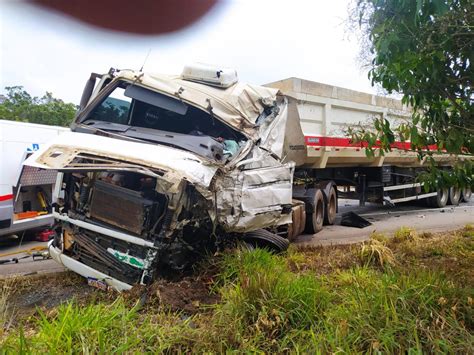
[{"x": 26, "y": 294}]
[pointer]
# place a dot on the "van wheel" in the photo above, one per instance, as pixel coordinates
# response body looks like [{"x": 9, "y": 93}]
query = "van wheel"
[
  {"x": 466, "y": 194},
  {"x": 331, "y": 208},
  {"x": 454, "y": 195},
  {"x": 314, "y": 221},
  {"x": 441, "y": 199}
]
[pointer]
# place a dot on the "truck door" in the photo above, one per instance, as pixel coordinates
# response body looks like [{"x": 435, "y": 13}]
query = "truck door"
[{"x": 251, "y": 199}]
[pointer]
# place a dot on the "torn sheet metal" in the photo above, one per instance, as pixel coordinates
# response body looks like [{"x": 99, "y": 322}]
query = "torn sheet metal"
[
  {"x": 255, "y": 198},
  {"x": 281, "y": 132},
  {"x": 239, "y": 105}
]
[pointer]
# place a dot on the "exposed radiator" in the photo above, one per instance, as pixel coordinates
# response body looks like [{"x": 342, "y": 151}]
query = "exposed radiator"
[{"x": 121, "y": 207}]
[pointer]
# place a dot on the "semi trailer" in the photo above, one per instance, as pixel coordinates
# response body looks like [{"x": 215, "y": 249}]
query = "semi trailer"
[{"x": 158, "y": 169}]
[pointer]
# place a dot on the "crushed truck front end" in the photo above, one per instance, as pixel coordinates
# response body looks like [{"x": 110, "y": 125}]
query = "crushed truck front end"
[{"x": 158, "y": 170}]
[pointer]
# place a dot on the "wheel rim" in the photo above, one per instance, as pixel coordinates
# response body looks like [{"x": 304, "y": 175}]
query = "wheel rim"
[
  {"x": 332, "y": 207},
  {"x": 466, "y": 193},
  {"x": 319, "y": 213},
  {"x": 443, "y": 196},
  {"x": 454, "y": 195}
]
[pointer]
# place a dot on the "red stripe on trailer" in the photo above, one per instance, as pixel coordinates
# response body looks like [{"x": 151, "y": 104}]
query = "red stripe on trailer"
[
  {"x": 6, "y": 197},
  {"x": 314, "y": 141}
]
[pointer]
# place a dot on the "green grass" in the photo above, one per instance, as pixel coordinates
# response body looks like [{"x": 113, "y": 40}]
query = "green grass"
[{"x": 412, "y": 293}]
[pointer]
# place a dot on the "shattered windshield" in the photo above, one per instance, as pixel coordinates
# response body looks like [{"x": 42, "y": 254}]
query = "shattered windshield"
[{"x": 136, "y": 112}]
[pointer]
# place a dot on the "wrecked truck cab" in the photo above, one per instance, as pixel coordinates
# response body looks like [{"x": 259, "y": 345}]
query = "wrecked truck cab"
[{"x": 158, "y": 169}]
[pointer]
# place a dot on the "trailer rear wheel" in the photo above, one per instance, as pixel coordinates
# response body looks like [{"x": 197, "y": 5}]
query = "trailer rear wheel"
[
  {"x": 314, "y": 221},
  {"x": 466, "y": 194},
  {"x": 441, "y": 199},
  {"x": 331, "y": 208},
  {"x": 454, "y": 195}
]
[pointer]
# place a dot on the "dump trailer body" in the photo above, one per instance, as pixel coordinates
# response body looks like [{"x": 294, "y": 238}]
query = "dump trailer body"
[{"x": 326, "y": 112}]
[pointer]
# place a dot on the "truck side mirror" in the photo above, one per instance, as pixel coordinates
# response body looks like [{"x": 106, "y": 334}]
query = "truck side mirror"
[{"x": 88, "y": 89}]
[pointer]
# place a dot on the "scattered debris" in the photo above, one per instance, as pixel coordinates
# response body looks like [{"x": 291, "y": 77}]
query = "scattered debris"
[
  {"x": 352, "y": 219},
  {"x": 13, "y": 260},
  {"x": 37, "y": 253}
]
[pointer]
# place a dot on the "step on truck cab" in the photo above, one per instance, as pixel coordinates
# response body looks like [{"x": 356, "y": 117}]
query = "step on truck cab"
[{"x": 158, "y": 169}]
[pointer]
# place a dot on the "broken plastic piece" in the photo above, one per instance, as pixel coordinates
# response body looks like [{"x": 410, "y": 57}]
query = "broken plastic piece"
[{"x": 351, "y": 219}]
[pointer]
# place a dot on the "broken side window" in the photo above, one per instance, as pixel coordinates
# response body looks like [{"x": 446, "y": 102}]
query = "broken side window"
[{"x": 115, "y": 108}]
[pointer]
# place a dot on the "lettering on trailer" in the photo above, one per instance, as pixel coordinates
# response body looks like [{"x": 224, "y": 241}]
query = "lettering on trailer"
[
  {"x": 34, "y": 147},
  {"x": 347, "y": 143},
  {"x": 297, "y": 147}
]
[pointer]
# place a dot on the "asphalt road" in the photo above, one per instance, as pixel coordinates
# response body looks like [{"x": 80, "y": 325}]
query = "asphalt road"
[
  {"x": 26, "y": 266},
  {"x": 383, "y": 218},
  {"x": 387, "y": 220}
]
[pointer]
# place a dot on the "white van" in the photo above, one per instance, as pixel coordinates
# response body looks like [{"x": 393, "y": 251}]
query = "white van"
[{"x": 25, "y": 192}]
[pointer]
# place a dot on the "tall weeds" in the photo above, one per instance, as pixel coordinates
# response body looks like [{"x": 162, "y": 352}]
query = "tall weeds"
[
  {"x": 393, "y": 297},
  {"x": 6, "y": 312}
]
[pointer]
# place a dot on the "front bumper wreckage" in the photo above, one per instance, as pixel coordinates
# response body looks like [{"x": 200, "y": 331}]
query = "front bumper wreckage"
[{"x": 84, "y": 270}]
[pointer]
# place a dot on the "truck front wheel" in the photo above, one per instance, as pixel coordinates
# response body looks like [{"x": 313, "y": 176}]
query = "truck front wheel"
[{"x": 314, "y": 220}]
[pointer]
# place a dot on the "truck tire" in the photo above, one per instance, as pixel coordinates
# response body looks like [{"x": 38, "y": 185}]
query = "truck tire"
[
  {"x": 466, "y": 194},
  {"x": 315, "y": 220},
  {"x": 261, "y": 238},
  {"x": 441, "y": 199},
  {"x": 454, "y": 195},
  {"x": 331, "y": 207}
]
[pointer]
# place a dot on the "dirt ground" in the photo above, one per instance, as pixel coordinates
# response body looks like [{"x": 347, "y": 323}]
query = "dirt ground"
[
  {"x": 25, "y": 294},
  {"x": 46, "y": 291}
]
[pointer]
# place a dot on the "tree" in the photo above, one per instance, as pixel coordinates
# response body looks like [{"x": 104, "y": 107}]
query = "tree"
[
  {"x": 21, "y": 106},
  {"x": 424, "y": 50}
]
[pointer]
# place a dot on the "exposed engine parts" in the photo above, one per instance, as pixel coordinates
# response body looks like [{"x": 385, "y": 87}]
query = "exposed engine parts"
[{"x": 165, "y": 229}]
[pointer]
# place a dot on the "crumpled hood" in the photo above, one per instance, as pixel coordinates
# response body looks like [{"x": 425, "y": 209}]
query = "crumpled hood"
[
  {"x": 239, "y": 105},
  {"x": 59, "y": 154}
]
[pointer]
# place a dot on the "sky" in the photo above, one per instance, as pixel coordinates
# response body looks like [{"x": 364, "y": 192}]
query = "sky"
[{"x": 263, "y": 40}]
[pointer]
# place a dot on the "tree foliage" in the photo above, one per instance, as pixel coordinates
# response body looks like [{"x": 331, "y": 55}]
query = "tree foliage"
[
  {"x": 21, "y": 106},
  {"x": 424, "y": 50}
]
